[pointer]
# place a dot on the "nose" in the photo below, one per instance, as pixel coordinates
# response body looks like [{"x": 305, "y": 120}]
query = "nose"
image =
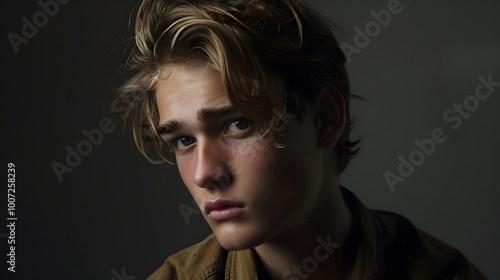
[{"x": 211, "y": 165}]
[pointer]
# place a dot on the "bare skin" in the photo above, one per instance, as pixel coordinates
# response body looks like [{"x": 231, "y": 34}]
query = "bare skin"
[{"x": 284, "y": 199}]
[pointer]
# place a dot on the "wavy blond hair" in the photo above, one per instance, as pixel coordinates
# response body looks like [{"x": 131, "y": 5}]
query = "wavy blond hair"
[{"x": 271, "y": 55}]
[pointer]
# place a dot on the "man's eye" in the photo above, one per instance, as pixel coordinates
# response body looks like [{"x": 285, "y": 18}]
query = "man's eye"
[
  {"x": 182, "y": 143},
  {"x": 239, "y": 125}
]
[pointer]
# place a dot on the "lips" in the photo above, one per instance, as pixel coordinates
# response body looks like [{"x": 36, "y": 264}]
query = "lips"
[{"x": 223, "y": 209}]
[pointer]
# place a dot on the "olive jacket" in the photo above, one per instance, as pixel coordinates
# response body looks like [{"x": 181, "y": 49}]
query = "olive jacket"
[{"x": 397, "y": 250}]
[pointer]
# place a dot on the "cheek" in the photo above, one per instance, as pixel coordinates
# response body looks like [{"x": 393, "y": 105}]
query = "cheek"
[
  {"x": 253, "y": 159},
  {"x": 263, "y": 158},
  {"x": 272, "y": 172},
  {"x": 186, "y": 169},
  {"x": 288, "y": 175},
  {"x": 276, "y": 184}
]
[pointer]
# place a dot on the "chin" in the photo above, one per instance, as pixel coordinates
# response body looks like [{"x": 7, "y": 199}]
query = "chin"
[{"x": 237, "y": 238}]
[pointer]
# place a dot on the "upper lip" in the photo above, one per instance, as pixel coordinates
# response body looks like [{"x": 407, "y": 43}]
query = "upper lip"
[{"x": 220, "y": 203}]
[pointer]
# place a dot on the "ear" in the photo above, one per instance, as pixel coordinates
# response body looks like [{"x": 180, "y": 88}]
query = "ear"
[{"x": 329, "y": 107}]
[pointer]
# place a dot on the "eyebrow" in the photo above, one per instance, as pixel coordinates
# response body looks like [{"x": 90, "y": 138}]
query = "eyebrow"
[
  {"x": 169, "y": 127},
  {"x": 203, "y": 115}
]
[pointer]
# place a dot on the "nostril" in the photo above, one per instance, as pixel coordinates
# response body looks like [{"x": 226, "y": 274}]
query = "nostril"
[
  {"x": 220, "y": 180},
  {"x": 223, "y": 179},
  {"x": 209, "y": 176}
]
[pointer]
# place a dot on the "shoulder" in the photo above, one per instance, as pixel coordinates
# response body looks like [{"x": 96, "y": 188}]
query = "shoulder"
[
  {"x": 425, "y": 256},
  {"x": 205, "y": 260}
]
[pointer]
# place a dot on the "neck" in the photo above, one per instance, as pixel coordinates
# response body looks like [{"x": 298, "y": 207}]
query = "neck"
[{"x": 315, "y": 247}]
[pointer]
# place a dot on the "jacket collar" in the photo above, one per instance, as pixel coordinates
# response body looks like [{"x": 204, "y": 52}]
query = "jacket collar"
[
  {"x": 366, "y": 234},
  {"x": 241, "y": 265}
]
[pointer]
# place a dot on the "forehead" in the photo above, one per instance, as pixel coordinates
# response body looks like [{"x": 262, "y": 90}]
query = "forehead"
[{"x": 184, "y": 89}]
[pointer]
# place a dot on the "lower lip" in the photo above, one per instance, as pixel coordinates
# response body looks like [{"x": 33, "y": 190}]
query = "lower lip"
[{"x": 224, "y": 213}]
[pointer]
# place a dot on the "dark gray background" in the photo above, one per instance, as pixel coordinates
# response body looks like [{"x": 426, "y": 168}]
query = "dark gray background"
[{"x": 116, "y": 214}]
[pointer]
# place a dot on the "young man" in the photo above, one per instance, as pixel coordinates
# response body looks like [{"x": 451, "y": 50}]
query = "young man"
[{"x": 251, "y": 100}]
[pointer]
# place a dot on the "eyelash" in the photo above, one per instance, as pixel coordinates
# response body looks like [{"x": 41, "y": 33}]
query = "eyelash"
[{"x": 173, "y": 144}]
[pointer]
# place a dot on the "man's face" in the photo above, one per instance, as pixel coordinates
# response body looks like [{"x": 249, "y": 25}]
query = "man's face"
[{"x": 248, "y": 190}]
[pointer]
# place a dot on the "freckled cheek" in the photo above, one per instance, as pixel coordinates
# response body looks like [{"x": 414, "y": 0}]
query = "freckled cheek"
[
  {"x": 186, "y": 169},
  {"x": 251, "y": 157},
  {"x": 274, "y": 190},
  {"x": 260, "y": 167}
]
